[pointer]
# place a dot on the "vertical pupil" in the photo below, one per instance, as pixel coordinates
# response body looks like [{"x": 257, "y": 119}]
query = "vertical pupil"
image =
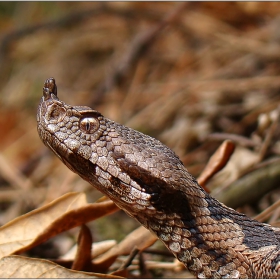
[{"x": 88, "y": 125}]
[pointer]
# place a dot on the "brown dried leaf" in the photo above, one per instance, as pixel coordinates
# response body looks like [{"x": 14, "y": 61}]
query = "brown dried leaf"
[
  {"x": 23, "y": 267},
  {"x": 122, "y": 273},
  {"x": 35, "y": 227},
  {"x": 217, "y": 161},
  {"x": 98, "y": 248},
  {"x": 83, "y": 256},
  {"x": 140, "y": 238}
]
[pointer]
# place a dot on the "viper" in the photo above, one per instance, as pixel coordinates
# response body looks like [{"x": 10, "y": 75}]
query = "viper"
[{"x": 149, "y": 182}]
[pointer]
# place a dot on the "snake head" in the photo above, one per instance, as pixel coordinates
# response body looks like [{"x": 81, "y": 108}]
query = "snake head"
[{"x": 67, "y": 130}]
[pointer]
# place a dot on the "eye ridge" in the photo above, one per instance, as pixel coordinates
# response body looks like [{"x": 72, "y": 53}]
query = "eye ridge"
[{"x": 89, "y": 125}]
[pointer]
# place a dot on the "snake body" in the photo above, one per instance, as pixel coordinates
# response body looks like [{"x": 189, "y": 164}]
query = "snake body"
[{"x": 149, "y": 182}]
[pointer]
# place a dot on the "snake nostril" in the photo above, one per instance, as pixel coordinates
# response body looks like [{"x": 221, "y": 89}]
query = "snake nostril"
[{"x": 55, "y": 114}]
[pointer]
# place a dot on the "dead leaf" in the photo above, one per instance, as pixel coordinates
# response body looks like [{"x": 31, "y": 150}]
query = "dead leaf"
[
  {"x": 234, "y": 170},
  {"x": 98, "y": 248},
  {"x": 122, "y": 273},
  {"x": 23, "y": 267},
  {"x": 83, "y": 256},
  {"x": 217, "y": 161},
  {"x": 69, "y": 211},
  {"x": 140, "y": 238}
]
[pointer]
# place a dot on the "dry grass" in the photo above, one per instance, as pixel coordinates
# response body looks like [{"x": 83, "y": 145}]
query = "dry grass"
[{"x": 179, "y": 72}]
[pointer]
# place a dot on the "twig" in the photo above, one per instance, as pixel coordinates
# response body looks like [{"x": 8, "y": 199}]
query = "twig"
[
  {"x": 129, "y": 260},
  {"x": 268, "y": 137},
  {"x": 267, "y": 212},
  {"x": 65, "y": 21},
  {"x": 71, "y": 19},
  {"x": 274, "y": 216},
  {"x": 250, "y": 187},
  {"x": 132, "y": 55},
  {"x": 167, "y": 105},
  {"x": 238, "y": 139},
  {"x": 13, "y": 176},
  {"x": 217, "y": 161},
  {"x": 248, "y": 45}
]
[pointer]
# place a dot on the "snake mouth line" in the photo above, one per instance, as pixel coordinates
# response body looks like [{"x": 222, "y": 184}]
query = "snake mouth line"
[
  {"x": 59, "y": 144},
  {"x": 54, "y": 151}
]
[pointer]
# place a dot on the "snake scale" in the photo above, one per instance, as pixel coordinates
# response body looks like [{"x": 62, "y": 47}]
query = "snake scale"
[{"x": 149, "y": 182}]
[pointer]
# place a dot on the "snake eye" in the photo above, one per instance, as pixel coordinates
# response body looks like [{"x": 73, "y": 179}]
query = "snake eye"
[{"x": 89, "y": 125}]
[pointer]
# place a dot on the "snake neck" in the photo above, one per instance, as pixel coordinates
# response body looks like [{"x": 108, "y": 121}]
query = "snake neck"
[{"x": 212, "y": 240}]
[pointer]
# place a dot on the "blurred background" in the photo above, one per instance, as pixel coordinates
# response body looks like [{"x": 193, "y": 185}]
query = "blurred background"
[{"x": 189, "y": 74}]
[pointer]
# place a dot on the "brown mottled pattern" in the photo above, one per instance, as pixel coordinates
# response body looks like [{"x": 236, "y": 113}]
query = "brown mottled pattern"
[{"x": 149, "y": 182}]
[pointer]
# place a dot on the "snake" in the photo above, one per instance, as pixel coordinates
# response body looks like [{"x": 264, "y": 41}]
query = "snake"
[{"x": 149, "y": 182}]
